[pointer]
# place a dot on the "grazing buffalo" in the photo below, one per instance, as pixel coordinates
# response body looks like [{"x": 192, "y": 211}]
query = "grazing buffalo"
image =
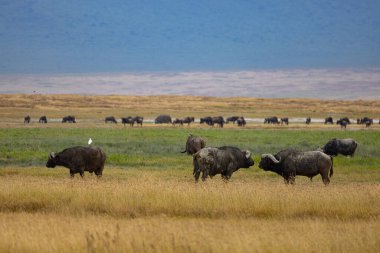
[
  {"x": 128, "y": 120},
  {"x": 271, "y": 120},
  {"x": 218, "y": 121},
  {"x": 223, "y": 160},
  {"x": 138, "y": 120},
  {"x": 289, "y": 163},
  {"x": 68, "y": 119},
  {"x": 367, "y": 121},
  {"x": 344, "y": 147},
  {"x": 206, "y": 120},
  {"x": 27, "y": 119},
  {"x": 78, "y": 160},
  {"x": 194, "y": 144},
  {"x": 177, "y": 121},
  {"x": 343, "y": 123},
  {"x": 345, "y": 119},
  {"x": 232, "y": 119},
  {"x": 110, "y": 119},
  {"x": 42, "y": 119},
  {"x": 329, "y": 120},
  {"x": 285, "y": 121},
  {"x": 188, "y": 120},
  {"x": 308, "y": 121},
  {"x": 162, "y": 119},
  {"x": 241, "y": 122}
]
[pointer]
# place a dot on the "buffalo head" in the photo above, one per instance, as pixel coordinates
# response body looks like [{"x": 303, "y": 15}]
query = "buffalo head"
[
  {"x": 268, "y": 161},
  {"x": 248, "y": 161},
  {"x": 52, "y": 161}
]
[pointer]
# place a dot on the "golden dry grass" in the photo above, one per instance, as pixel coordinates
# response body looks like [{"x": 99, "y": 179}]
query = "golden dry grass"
[{"x": 136, "y": 210}]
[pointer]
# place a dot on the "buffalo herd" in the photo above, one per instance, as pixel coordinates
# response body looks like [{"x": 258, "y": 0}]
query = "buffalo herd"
[
  {"x": 287, "y": 163},
  {"x": 210, "y": 161},
  {"x": 218, "y": 121}
]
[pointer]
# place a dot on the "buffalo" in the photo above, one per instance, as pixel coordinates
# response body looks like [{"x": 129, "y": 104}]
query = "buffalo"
[
  {"x": 79, "y": 159},
  {"x": 69, "y": 119},
  {"x": 232, "y": 119},
  {"x": 188, "y": 120},
  {"x": 271, "y": 120},
  {"x": 342, "y": 122},
  {"x": 27, "y": 119},
  {"x": 110, "y": 119},
  {"x": 289, "y": 163},
  {"x": 42, "y": 119},
  {"x": 193, "y": 144},
  {"x": 138, "y": 120},
  {"x": 367, "y": 121},
  {"x": 206, "y": 120},
  {"x": 329, "y": 120},
  {"x": 241, "y": 122},
  {"x": 218, "y": 121},
  {"x": 128, "y": 120},
  {"x": 344, "y": 147},
  {"x": 285, "y": 121},
  {"x": 308, "y": 120},
  {"x": 162, "y": 119},
  {"x": 224, "y": 160},
  {"x": 177, "y": 121}
]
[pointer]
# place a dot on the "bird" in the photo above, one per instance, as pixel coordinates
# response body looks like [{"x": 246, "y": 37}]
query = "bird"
[{"x": 89, "y": 141}]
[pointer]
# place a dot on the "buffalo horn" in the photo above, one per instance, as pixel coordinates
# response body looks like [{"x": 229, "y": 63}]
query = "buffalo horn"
[
  {"x": 270, "y": 156},
  {"x": 247, "y": 153},
  {"x": 52, "y": 155}
]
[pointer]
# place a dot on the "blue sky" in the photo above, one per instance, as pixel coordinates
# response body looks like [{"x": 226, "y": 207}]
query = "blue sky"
[{"x": 73, "y": 36}]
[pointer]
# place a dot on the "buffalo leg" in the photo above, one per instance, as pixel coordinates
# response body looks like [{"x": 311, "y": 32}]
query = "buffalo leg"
[
  {"x": 325, "y": 179},
  {"x": 72, "y": 173},
  {"x": 204, "y": 174}
]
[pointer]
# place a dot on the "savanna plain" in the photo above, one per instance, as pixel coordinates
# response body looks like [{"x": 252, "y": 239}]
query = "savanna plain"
[{"x": 147, "y": 200}]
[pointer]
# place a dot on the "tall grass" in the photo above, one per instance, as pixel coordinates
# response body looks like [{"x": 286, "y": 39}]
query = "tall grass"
[{"x": 164, "y": 211}]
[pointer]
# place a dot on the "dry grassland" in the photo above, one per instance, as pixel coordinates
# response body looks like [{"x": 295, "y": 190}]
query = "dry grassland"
[
  {"x": 136, "y": 210},
  {"x": 97, "y": 107}
]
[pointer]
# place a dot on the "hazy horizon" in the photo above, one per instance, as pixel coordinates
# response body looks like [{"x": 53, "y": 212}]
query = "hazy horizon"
[{"x": 295, "y": 83}]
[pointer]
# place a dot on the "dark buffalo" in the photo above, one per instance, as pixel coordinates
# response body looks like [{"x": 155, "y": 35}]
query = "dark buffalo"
[
  {"x": 308, "y": 121},
  {"x": 68, "y": 119},
  {"x": 232, "y": 119},
  {"x": 329, "y": 120},
  {"x": 206, "y": 120},
  {"x": 345, "y": 119},
  {"x": 27, "y": 119},
  {"x": 367, "y": 121},
  {"x": 162, "y": 119},
  {"x": 285, "y": 121},
  {"x": 223, "y": 160},
  {"x": 128, "y": 120},
  {"x": 344, "y": 147},
  {"x": 271, "y": 120},
  {"x": 343, "y": 123},
  {"x": 110, "y": 119},
  {"x": 218, "y": 121},
  {"x": 193, "y": 144},
  {"x": 78, "y": 160},
  {"x": 177, "y": 121},
  {"x": 241, "y": 122},
  {"x": 42, "y": 119},
  {"x": 289, "y": 163},
  {"x": 188, "y": 120},
  {"x": 138, "y": 120}
]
